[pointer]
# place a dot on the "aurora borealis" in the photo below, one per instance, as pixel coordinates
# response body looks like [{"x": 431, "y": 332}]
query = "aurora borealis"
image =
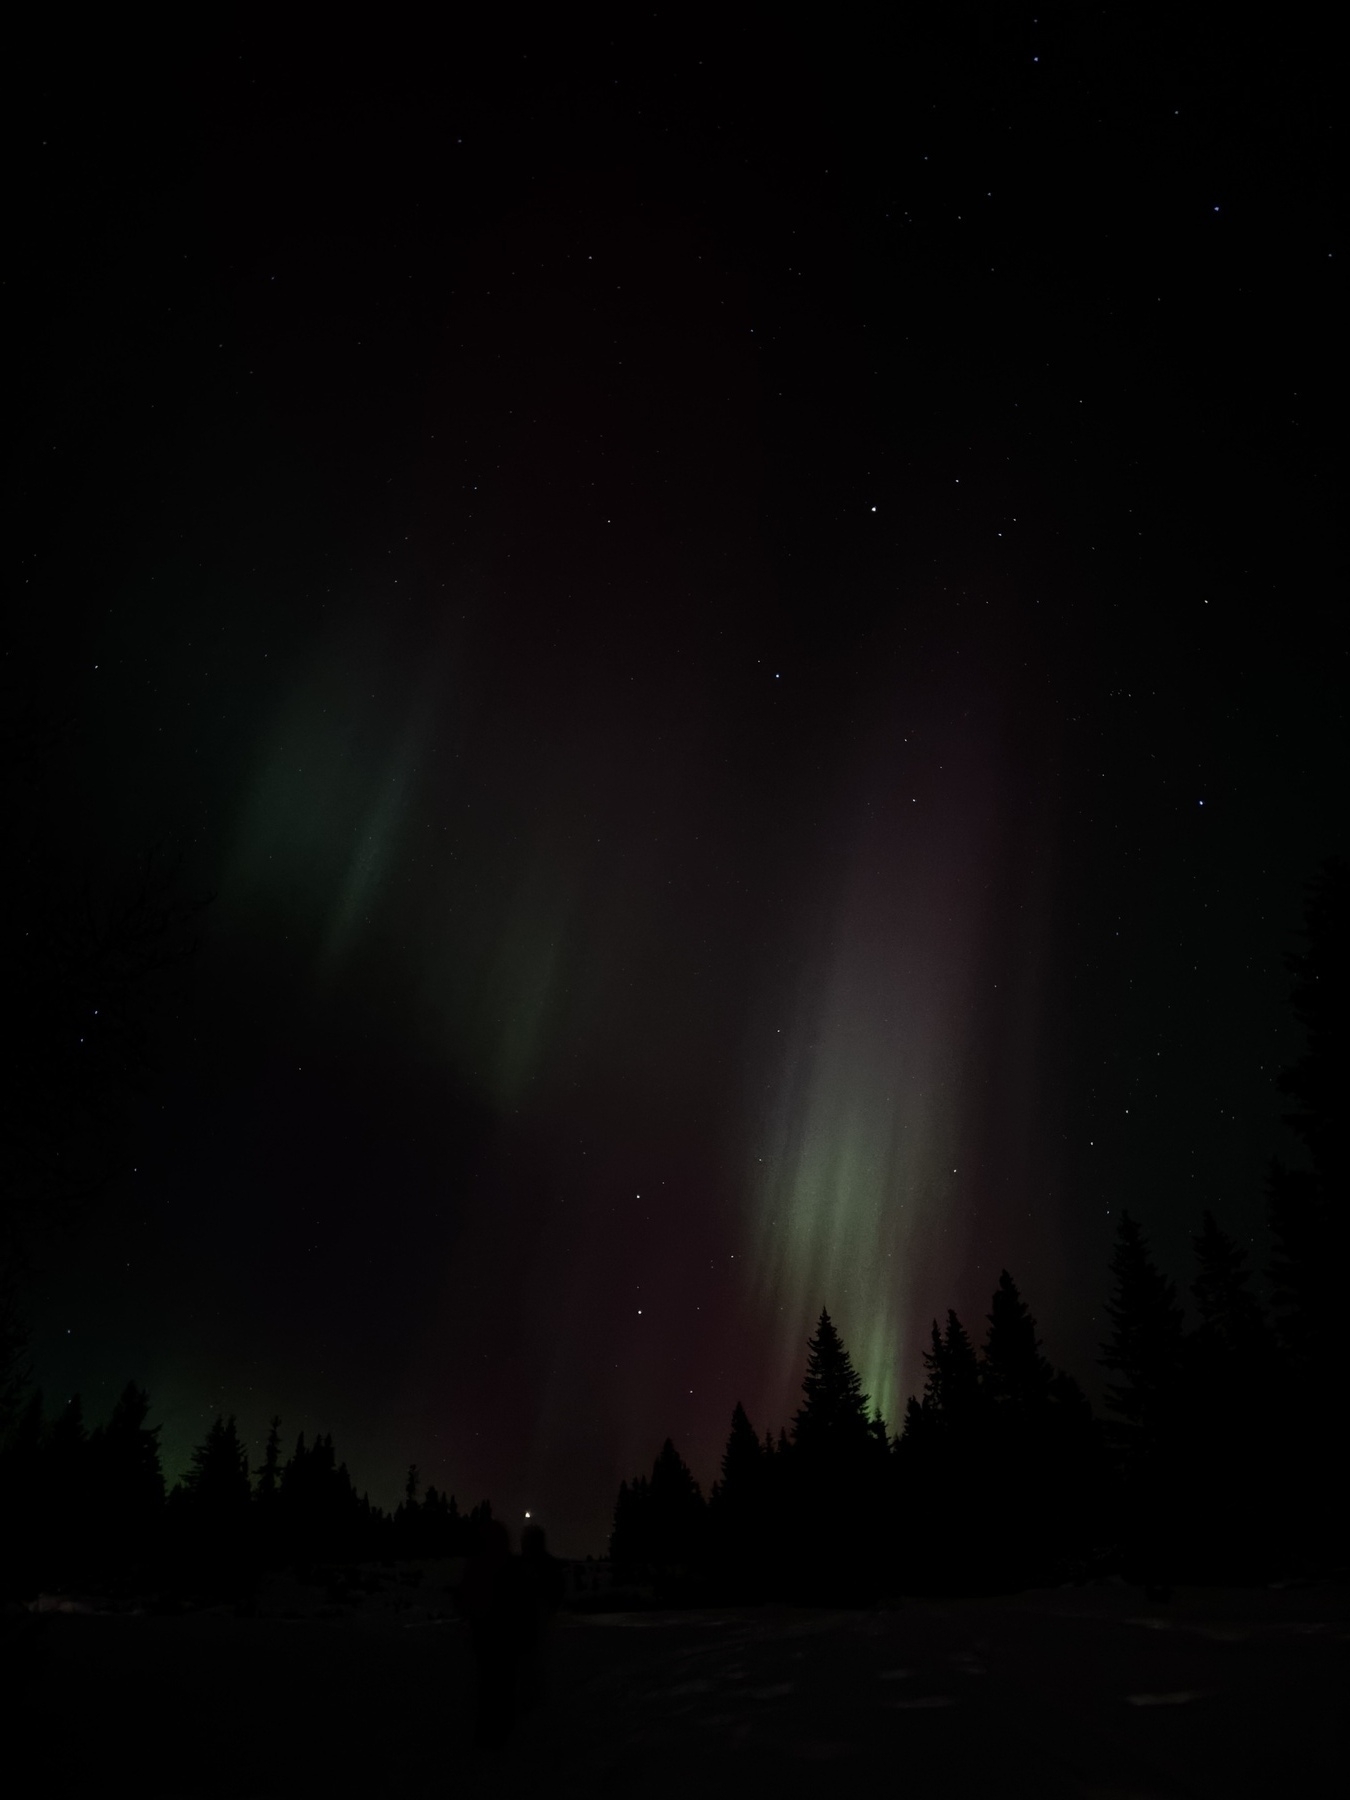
[{"x": 740, "y": 636}]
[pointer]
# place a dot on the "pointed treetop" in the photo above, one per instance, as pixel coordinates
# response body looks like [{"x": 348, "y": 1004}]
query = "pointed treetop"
[
  {"x": 833, "y": 1402},
  {"x": 1014, "y": 1371},
  {"x": 1229, "y": 1312},
  {"x": 1148, "y": 1331},
  {"x": 671, "y": 1475},
  {"x": 952, "y": 1387},
  {"x": 743, "y": 1454},
  {"x": 218, "y": 1474}
]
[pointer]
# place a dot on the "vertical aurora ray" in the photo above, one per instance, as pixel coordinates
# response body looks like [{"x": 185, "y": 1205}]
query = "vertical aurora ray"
[
  {"x": 862, "y": 1202},
  {"x": 859, "y": 1155}
]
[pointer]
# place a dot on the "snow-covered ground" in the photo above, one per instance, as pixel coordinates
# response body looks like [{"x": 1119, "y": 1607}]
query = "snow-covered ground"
[{"x": 1090, "y": 1691}]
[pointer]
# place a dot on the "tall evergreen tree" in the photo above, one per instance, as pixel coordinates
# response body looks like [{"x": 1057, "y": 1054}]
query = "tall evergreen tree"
[
  {"x": 1146, "y": 1349},
  {"x": 1231, "y": 1317},
  {"x": 659, "y": 1523},
  {"x": 1043, "y": 1461},
  {"x": 1147, "y": 1354},
  {"x": 833, "y": 1413},
  {"x": 267, "y": 1497},
  {"x": 1013, "y": 1370},
  {"x": 210, "y": 1509},
  {"x": 217, "y": 1478},
  {"x": 677, "y": 1510},
  {"x": 269, "y": 1474},
  {"x": 952, "y": 1388},
  {"x": 742, "y": 1460},
  {"x": 739, "y": 1506},
  {"x": 128, "y": 1481}
]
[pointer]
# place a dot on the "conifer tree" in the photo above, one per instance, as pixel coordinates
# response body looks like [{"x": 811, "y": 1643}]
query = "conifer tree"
[
  {"x": 659, "y": 1523},
  {"x": 833, "y": 1413},
  {"x": 211, "y": 1507},
  {"x": 129, "y": 1482},
  {"x": 1146, "y": 1349},
  {"x": 1013, "y": 1371},
  {"x": 267, "y": 1496},
  {"x": 743, "y": 1458},
  {"x": 919, "y": 1422},
  {"x": 1231, "y": 1318},
  {"x": 1147, "y": 1354},
  {"x": 952, "y": 1389},
  {"x": 738, "y": 1507},
  {"x": 269, "y": 1475},
  {"x": 676, "y": 1510},
  {"x": 1044, "y": 1465},
  {"x": 217, "y": 1481}
]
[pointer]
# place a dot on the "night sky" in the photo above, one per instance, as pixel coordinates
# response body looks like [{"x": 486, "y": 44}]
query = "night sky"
[{"x": 740, "y": 625}]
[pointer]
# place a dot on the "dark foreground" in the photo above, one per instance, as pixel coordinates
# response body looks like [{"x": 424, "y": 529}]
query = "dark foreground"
[{"x": 1092, "y": 1691}]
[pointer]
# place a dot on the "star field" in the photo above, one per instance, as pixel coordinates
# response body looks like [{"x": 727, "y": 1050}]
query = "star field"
[{"x": 740, "y": 632}]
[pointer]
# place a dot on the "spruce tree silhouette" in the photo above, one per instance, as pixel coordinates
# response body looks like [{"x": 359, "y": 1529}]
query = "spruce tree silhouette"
[
  {"x": 408, "y": 1516},
  {"x": 835, "y": 1474},
  {"x": 739, "y": 1529},
  {"x": 212, "y": 1506},
  {"x": 676, "y": 1520},
  {"x": 742, "y": 1460},
  {"x": 660, "y": 1526},
  {"x": 269, "y": 1474},
  {"x": 1045, "y": 1451},
  {"x": 217, "y": 1477},
  {"x": 267, "y": 1498},
  {"x": 833, "y": 1415},
  {"x": 1147, "y": 1353},
  {"x": 127, "y": 1486},
  {"x": 950, "y": 1449},
  {"x": 1016, "y": 1381},
  {"x": 953, "y": 1384},
  {"x": 317, "y": 1509},
  {"x": 1013, "y": 1371}
]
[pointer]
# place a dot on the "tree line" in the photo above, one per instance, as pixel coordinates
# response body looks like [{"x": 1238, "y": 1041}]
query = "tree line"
[
  {"x": 1217, "y": 1460},
  {"x": 91, "y": 1508},
  {"x": 1218, "y": 1457}
]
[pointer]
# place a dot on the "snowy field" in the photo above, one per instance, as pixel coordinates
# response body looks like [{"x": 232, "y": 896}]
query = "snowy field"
[{"x": 1091, "y": 1691}]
